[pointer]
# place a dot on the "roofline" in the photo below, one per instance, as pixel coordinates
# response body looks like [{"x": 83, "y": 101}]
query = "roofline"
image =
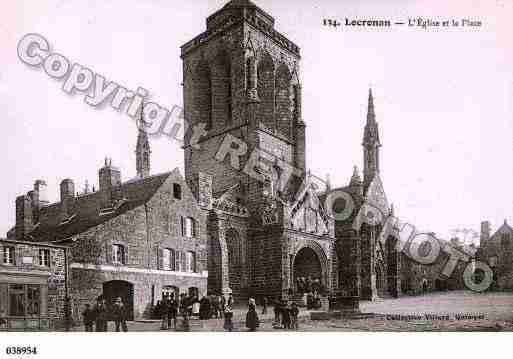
[{"x": 39, "y": 244}]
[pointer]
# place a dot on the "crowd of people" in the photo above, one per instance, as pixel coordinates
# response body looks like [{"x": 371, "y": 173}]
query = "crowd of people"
[
  {"x": 309, "y": 285},
  {"x": 97, "y": 317},
  {"x": 286, "y": 315},
  {"x": 171, "y": 307}
]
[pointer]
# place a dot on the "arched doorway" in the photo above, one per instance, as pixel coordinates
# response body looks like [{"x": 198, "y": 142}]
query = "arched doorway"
[
  {"x": 122, "y": 289},
  {"x": 308, "y": 274}
]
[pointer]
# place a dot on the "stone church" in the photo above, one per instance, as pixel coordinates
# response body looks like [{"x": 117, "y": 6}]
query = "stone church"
[
  {"x": 220, "y": 227},
  {"x": 242, "y": 80}
]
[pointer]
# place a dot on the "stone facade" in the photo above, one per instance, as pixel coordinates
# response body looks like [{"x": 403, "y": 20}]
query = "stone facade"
[
  {"x": 136, "y": 239},
  {"x": 32, "y": 284},
  {"x": 496, "y": 250}
]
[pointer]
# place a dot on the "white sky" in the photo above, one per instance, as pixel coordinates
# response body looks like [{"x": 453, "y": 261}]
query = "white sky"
[{"x": 443, "y": 97}]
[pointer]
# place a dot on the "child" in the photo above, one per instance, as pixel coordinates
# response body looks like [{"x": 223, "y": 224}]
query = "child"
[{"x": 228, "y": 315}]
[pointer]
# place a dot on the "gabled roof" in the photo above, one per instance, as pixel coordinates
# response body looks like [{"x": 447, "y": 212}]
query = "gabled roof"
[
  {"x": 504, "y": 229},
  {"x": 90, "y": 210}
]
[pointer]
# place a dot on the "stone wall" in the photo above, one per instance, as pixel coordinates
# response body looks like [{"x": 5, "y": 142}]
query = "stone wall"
[{"x": 144, "y": 232}]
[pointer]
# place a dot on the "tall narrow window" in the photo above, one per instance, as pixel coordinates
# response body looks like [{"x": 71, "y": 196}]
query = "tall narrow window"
[
  {"x": 44, "y": 257},
  {"x": 188, "y": 227},
  {"x": 168, "y": 259},
  {"x": 8, "y": 255},
  {"x": 177, "y": 191},
  {"x": 190, "y": 262}
]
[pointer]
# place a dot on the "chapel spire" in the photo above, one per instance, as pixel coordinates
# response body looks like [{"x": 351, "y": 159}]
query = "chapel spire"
[
  {"x": 371, "y": 144},
  {"x": 142, "y": 151}
]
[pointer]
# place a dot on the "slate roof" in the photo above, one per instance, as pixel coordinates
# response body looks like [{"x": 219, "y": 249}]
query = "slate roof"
[{"x": 89, "y": 210}]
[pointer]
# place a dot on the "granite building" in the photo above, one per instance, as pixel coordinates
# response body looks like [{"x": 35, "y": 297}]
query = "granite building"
[
  {"x": 136, "y": 239},
  {"x": 242, "y": 80}
]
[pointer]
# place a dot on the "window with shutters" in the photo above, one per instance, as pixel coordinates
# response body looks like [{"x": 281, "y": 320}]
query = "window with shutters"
[
  {"x": 168, "y": 259},
  {"x": 190, "y": 262},
  {"x": 178, "y": 260},
  {"x": 8, "y": 255},
  {"x": 118, "y": 254}
]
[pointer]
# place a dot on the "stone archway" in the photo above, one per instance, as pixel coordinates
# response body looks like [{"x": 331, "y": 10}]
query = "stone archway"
[
  {"x": 310, "y": 262},
  {"x": 120, "y": 289}
]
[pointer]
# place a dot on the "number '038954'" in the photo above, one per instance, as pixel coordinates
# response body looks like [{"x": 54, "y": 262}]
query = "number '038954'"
[{"x": 21, "y": 350}]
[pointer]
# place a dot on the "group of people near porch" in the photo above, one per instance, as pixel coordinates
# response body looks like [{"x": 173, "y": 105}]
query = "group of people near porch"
[
  {"x": 97, "y": 317},
  {"x": 309, "y": 285},
  {"x": 172, "y": 307}
]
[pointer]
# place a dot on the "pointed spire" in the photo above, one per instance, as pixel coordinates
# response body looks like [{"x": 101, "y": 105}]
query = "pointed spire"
[
  {"x": 371, "y": 116},
  {"x": 355, "y": 178},
  {"x": 142, "y": 150}
]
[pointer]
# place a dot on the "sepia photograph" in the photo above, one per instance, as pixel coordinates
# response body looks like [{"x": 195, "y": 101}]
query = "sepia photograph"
[{"x": 255, "y": 166}]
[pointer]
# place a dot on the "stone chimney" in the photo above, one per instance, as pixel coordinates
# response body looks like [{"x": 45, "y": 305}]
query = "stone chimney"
[
  {"x": 24, "y": 217},
  {"x": 67, "y": 197},
  {"x": 109, "y": 179},
  {"x": 41, "y": 188},
  {"x": 485, "y": 233},
  {"x": 39, "y": 198}
]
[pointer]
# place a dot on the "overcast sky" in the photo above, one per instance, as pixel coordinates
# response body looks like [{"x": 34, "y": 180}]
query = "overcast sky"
[{"x": 443, "y": 97}]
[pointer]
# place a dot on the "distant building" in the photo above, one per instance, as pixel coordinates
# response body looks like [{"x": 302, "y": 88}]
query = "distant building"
[{"x": 497, "y": 250}]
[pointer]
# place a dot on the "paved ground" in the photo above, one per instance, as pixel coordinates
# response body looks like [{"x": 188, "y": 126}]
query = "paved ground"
[{"x": 494, "y": 312}]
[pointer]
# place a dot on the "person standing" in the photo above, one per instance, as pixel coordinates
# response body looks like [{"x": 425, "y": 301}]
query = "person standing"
[
  {"x": 100, "y": 314},
  {"x": 228, "y": 316},
  {"x": 264, "y": 305},
  {"x": 88, "y": 316},
  {"x": 286, "y": 309},
  {"x": 119, "y": 315},
  {"x": 172, "y": 311},
  {"x": 164, "y": 313},
  {"x": 252, "y": 321},
  {"x": 294, "y": 314}
]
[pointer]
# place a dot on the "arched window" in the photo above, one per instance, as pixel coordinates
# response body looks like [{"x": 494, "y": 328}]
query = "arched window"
[
  {"x": 221, "y": 89},
  {"x": 203, "y": 95},
  {"x": 283, "y": 100},
  {"x": 265, "y": 89}
]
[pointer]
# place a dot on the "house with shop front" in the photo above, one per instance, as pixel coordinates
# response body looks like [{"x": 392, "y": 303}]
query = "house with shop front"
[{"x": 137, "y": 239}]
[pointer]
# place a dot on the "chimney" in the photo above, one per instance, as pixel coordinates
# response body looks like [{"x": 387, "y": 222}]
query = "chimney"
[
  {"x": 67, "y": 197},
  {"x": 110, "y": 179},
  {"x": 24, "y": 220},
  {"x": 485, "y": 233},
  {"x": 41, "y": 188},
  {"x": 39, "y": 198}
]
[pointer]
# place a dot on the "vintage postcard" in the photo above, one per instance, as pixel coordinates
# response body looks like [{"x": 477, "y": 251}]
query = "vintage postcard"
[{"x": 269, "y": 166}]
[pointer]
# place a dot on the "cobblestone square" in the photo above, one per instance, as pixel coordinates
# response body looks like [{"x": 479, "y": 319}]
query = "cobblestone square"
[{"x": 495, "y": 308}]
